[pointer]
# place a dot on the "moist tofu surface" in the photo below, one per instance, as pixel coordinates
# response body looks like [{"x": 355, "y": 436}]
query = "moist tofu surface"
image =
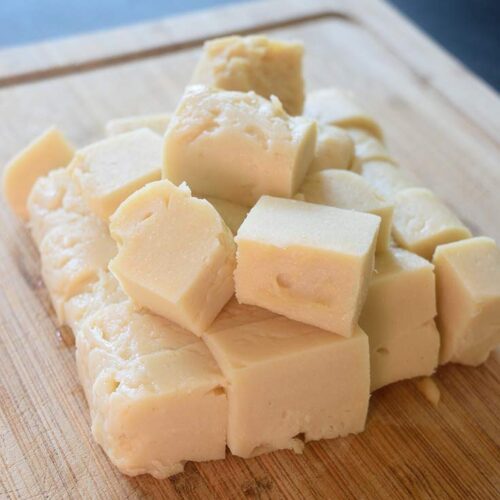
[
  {"x": 47, "y": 152},
  {"x": 421, "y": 222},
  {"x": 344, "y": 189},
  {"x": 175, "y": 255},
  {"x": 237, "y": 146},
  {"x": 268, "y": 67},
  {"x": 110, "y": 170},
  {"x": 468, "y": 293},
  {"x": 311, "y": 263},
  {"x": 286, "y": 378},
  {"x": 386, "y": 178}
]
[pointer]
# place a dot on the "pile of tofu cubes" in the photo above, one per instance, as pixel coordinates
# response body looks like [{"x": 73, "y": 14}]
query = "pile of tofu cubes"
[{"x": 246, "y": 270}]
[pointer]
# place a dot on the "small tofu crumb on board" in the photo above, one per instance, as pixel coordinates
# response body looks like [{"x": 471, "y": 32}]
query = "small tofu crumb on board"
[
  {"x": 157, "y": 394},
  {"x": 429, "y": 389}
]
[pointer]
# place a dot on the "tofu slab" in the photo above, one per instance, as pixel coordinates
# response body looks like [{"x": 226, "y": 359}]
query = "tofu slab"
[
  {"x": 468, "y": 297},
  {"x": 344, "y": 189},
  {"x": 398, "y": 318},
  {"x": 311, "y": 263},
  {"x": 49, "y": 151},
  {"x": 110, "y": 170},
  {"x": 175, "y": 255},
  {"x": 286, "y": 378},
  {"x": 157, "y": 123},
  {"x": 268, "y": 67},
  {"x": 414, "y": 353},
  {"x": 421, "y": 222},
  {"x": 237, "y": 146},
  {"x": 337, "y": 107},
  {"x": 334, "y": 149}
]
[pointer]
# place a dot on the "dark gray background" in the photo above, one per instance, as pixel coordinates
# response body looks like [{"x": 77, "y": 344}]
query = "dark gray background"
[{"x": 469, "y": 29}]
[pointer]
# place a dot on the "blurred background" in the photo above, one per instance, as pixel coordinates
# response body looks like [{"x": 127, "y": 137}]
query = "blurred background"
[{"x": 469, "y": 29}]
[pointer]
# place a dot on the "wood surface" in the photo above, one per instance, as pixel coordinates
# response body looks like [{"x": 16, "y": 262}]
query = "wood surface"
[{"x": 440, "y": 122}]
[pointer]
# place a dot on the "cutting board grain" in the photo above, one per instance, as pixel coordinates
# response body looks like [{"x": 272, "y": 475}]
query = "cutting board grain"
[{"x": 440, "y": 122}]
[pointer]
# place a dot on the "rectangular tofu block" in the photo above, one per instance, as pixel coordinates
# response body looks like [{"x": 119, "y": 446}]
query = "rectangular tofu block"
[
  {"x": 237, "y": 146},
  {"x": 422, "y": 221},
  {"x": 401, "y": 295},
  {"x": 157, "y": 123},
  {"x": 337, "y": 107},
  {"x": 468, "y": 298},
  {"x": 334, "y": 149},
  {"x": 268, "y": 67},
  {"x": 232, "y": 213},
  {"x": 344, "y": 189},
  {"x": 72, "y": 255},
  {"x": 311, "y": 263},
  {"x": 286, "y": 378},
  {"x": 413, "y": 353},
  {"x": 398, "y": 318},
  {"x": 388, "y": 179},
  {"x": 49, "y": 151},
  {"x": 112, "y": 169},
  {"x": 176, "y": 255},
  {"x": 161, "y": 410}
]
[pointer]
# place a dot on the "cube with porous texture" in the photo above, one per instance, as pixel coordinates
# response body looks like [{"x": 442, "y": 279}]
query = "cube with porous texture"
[
  {"x": 268, "y": 67},
  {"x": 334, "y": 149},
  {"x": 398, "y": 312},
  {"x": 112, "y": 169},
  {"x": 157, "y": 123},
  {"x": 345, "y": 189},
  {"x": 176, "y": 255},
  {"x": 72, "y": 255},
  {"x": 413, "y": 353},
  {"x": 309, "y": 262},
  {"x": 468, "y": 298},
  {"x": 422, "y": 221},
  {"x": 337, "y": 107},
  {"x": 286, "y": 378},
  {"x": 388, "y": 179},
  {"x": 55, "y": 200},
  {"x": 237, "y": 146},
  {"x": 49, "y": 151}
]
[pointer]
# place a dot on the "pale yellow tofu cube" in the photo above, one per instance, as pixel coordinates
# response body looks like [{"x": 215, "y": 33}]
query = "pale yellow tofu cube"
[
  {"x": 161, "y": 410},
  {"x": 414, "y": 353},
  {"x": 55, "y": 200},
  {"x": 334, "y": 149},
  {"x": 401, "y": 295},
  {"x": 337, "y": 107},
  {"x": 237, "y": 146},
  {"x": 388, "y": 179},
  {"x": 72, "y": 255},
  {"x": 111, "y": 170},
  {"x": 175, "y": 256},
  {"x": 268, "y": 67},
  {"x": 232, "y": 213},
  {"x": 311, "y": 263},
  {"x": 286, "y": 378},
  {"x": 49, "y": 151},
  {"x": 344, "y": 189},
  {"x": 468, "y": 298},
  {"x": 157, "y": 123},
  {"x": 398, "y": 312},
  {"x": 422, "y": 221}
]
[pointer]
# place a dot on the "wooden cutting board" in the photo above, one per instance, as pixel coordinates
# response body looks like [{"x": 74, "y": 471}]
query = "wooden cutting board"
[{"x": 440, "y": 121}]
